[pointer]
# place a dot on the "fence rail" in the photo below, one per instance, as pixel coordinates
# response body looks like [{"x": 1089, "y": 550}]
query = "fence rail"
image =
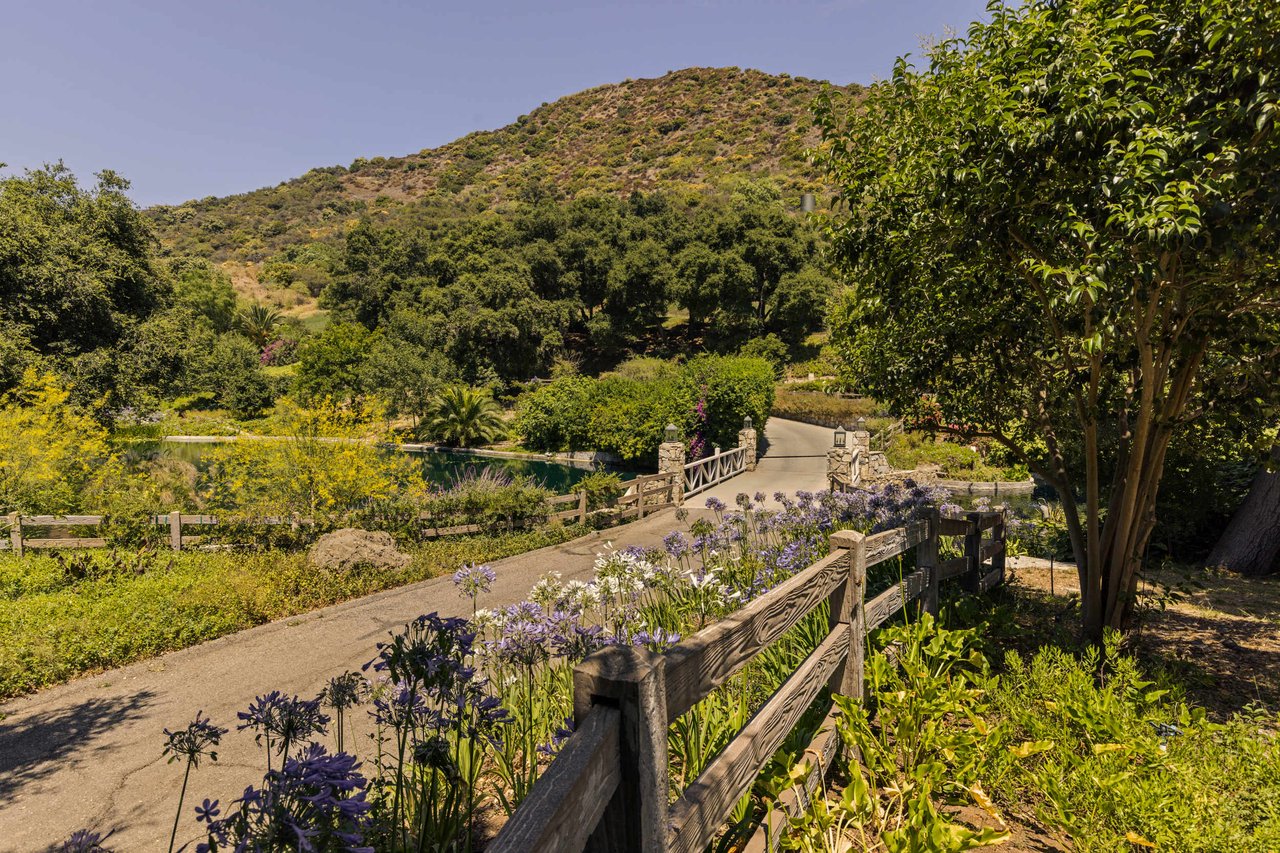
[
  {"x": 607, "y": 790},
  {"x": 641, "y": 496},
  {"x": 702, "y": 474}
]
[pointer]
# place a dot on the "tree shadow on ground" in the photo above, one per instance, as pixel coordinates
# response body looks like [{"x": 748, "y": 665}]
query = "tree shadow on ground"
[{"x": 33, "y": 746}]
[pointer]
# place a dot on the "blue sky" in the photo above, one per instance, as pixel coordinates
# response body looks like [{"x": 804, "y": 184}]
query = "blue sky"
[{"x": 190, "y": 99}]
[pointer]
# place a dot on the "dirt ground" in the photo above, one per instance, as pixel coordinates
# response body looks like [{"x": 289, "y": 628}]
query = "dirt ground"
[{"x": 1218, "y": 632}]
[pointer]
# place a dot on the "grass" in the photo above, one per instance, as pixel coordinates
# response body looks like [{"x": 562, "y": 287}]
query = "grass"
[
  {"x": 828, "y": 410},
  {"x": 65, "y": 615},
  {"x": 957, "y": 462}
]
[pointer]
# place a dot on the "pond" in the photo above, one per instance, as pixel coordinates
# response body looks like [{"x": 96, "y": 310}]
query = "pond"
[{"x": 444, "y": 467}]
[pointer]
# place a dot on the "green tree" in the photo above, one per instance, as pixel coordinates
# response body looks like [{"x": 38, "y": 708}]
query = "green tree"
[
  {"x": 1064, "y": 233},
  {"x": 461, "y": 417},
  {"x": 205, "y": 290},
  {"x": 76, "y": 270},
  {"x": 260, "y": 323},
  {"x": 331, "y": 364}
]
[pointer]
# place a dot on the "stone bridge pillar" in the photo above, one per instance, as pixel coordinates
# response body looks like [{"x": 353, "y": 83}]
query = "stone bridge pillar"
[
  {"x": 747, "y": 438},
  {"x": 840, "y": 473},
  {"x": 861, "y": 441},
  {"x": 671, "y": 458}
]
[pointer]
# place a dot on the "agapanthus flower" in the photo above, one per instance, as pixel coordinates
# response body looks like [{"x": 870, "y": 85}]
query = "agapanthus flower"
[
  {"x": 84, "y": 841},
  {"x": 715, "y": 504},
  {"x": 315, "y": 802},
  {"x": 194, "y": 742},
  {"x": 283, "y": 720},
  {"x": 547, "y": 591},
  {"x": 523, "y": 643},
  {"x": 562, "y": 734},
  {"x": 659, "y": 639},
  {"x": 676, "y": 544},
  {"x": 344, "y": 691},
  {"x": 472, "y": 580}
]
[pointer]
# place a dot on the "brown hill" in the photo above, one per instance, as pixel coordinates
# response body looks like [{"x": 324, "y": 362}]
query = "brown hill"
[{"x": 696, "y": 130}]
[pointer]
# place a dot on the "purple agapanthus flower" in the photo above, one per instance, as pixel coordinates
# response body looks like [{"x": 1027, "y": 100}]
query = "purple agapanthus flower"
[{"x": 472, "y": 580}]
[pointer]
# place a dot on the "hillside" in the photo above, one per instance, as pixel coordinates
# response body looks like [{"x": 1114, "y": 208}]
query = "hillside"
[{"x": 696, "y": 130}]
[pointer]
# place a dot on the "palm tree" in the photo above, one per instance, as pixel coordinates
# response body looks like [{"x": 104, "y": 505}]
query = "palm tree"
[
  {"x": 460, "y": 417},
  {"x": 260, "y": 322}
]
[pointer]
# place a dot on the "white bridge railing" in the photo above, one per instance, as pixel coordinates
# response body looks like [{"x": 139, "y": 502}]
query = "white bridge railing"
[{"x": 704, "y": 473}]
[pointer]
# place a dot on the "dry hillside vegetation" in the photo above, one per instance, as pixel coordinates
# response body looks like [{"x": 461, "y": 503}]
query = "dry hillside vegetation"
[{"x": 696, "y": 130}]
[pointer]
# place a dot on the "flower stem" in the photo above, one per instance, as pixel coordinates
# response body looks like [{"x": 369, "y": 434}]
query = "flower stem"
[{"x": 173, "y": 836}]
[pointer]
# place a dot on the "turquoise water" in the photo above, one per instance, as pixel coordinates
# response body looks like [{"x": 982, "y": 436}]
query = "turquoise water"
[{"x": 443, "y": 467}]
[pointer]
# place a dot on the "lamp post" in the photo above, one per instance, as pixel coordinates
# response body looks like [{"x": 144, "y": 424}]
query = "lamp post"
[
  {"x": 670, "y": 433},
  {"x": 838, "y": 459}
]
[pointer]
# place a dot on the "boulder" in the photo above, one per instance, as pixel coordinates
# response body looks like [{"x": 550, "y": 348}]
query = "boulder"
[{"x": 348, "y": 548}]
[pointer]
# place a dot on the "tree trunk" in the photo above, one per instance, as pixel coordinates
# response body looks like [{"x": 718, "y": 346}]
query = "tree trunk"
[{"x": 1251, "y": 542}]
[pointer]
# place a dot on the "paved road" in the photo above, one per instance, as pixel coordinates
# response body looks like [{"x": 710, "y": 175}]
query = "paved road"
[
  {"x": 794, "y": 458},
  {"x": 87, "y": 754}
]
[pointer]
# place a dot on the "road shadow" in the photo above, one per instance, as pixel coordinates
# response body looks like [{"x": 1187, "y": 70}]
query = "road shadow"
[{"x": 33, "y": 746}]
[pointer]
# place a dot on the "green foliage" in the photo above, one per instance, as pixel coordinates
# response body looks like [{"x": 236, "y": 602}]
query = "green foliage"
[
  {"x": 928, "y": 741},
  {"x": 206, "y": 291},
  {"x": 76, "y": 273},
  {"x": 330, "y": 364},
  {"x": 602, "y": 488},
  {"x": 1104, "y": 754},
  {"x": 64, "y": 615},
  {"x": 828, "y": 410},
  {"x": 626, "y": 412},
  {"x": 956, "y": 461},
  {"x": 556, "y": 416},
  {"x": 490, "y": 499},
  {"x": 462, "y": 417},
  {"x": 259, "y": 323},
  {"x": 323, "y": 466},
  {"x": 1082, "y": 743},
  {"x": 505, "y": 297},
  {"x": 1062, "y": 237},
  {"x": 771, "y": 348},
  {"x": 50, "y": 453}
]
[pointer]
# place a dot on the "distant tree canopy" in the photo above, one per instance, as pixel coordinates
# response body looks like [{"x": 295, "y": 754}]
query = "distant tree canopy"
[
  {"x": 504, "y": 296},
  {"x": 419, "y": 304}
]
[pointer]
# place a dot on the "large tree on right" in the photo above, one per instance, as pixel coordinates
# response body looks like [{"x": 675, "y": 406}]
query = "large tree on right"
[{"x": 1064, "y": 234}]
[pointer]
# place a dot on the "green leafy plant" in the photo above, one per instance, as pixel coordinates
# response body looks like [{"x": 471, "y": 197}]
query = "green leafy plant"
[{"x": 461, "y": 417}]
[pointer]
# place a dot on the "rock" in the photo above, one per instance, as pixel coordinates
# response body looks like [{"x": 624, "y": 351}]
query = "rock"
[{"x": 348, "y": 548}]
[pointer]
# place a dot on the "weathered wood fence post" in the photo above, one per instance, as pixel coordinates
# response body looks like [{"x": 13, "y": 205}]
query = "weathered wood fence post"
[
  {"x": 175, "y": 530},
  {"x": 632, "y": 680},
  {"x": 999, "y": 532},
  {"x": 15, "y": 532},
  {"x": 582, "y": 507},
  {"x": 927, "y": 558},
  {"x": 846, "y": 609},
  {"x": 971, "y": 581}
]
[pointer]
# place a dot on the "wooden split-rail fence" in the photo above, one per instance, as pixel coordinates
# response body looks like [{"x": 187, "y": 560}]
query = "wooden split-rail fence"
[
  {"x": 641, "y": 496},
  {"x": 607, "y": 789}
]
